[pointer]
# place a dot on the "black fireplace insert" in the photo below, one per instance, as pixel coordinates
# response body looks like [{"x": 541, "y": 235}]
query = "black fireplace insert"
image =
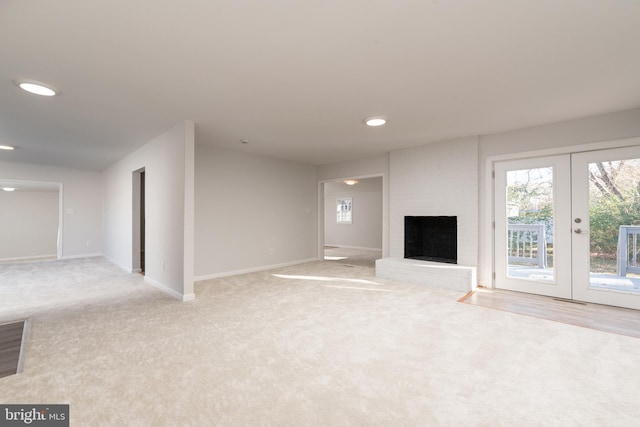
[{"x": 431, "y": 238}]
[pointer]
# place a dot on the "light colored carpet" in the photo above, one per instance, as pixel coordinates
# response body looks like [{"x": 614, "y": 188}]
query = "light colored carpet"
[
  {"x": 319, "y": 344},
  {"x": 352, "y": 256},
  {"x": 29, "y": 288}
]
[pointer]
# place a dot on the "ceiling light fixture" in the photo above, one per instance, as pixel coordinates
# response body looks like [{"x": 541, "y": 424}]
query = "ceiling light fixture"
[
  {"x": 8, "y": 189},
  {"x": 350, "y": 181},
  {"x": 7, "y": 147},
  {"x": 375, "y": 121},
  {"x": 37, "y": 88}
]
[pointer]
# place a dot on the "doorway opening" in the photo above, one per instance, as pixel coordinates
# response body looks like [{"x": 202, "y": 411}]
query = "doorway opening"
[
  {"x": 138, "y": 219},
  {"x": 353, "y": 221},
  {"x": 32, "y": 211}
]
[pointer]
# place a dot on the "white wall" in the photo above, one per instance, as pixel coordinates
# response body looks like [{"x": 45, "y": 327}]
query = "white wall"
[
  {"x": 82, "y": 203},
  {"x": 29, "y": 224},
  {"x": 602, "y": 128},
  {"x": 361, "y": 168},
  {"x": 606, "y": 127},
  {"x": 168, "y": 161},
  {"x": 365, "y": 231},
  {"x": 251, "y": 212},
  {"x": 368, "y": 166},
  {"x": 433, "y": 180}
]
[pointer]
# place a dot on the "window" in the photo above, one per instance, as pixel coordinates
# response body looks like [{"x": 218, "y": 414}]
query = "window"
[{"x": 343, "y": 211}]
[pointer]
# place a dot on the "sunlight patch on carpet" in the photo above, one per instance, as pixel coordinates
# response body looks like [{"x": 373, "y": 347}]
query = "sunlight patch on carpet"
[
  {"x": 360, "y": 289},
  {"x": 326, "y": 279}
]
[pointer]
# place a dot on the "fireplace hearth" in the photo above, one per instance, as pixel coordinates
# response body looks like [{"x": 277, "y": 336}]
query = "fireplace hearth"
[{"x": 431, "y": 238}]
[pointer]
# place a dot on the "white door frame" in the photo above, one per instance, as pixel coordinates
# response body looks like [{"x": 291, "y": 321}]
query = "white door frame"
[
  {"x": 582, "y": 287},
  {"x": 385, "y": 210},
  {"x": 488, "y": 245},
  {"x": 136, "y": 222},
  {"x": 560, "y": 286}
]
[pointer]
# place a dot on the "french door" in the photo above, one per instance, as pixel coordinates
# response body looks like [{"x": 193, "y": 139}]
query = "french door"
[
  {"x": 567, "y": 226},
  {"x": 532, "y": 225}
]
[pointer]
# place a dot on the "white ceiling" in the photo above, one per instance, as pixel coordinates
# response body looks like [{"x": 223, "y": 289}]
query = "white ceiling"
[{"x": 296, "y": 78}]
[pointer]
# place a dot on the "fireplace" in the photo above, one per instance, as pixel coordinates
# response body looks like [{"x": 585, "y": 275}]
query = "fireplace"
[{"x": 431, "y": 238}]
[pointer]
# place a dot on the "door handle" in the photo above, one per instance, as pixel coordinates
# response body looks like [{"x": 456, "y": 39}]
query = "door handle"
[{"x": 578, "y": 231}]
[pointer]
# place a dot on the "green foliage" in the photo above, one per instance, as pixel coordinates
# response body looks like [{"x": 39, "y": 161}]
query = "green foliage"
[
  {"x": 606, "y": 214},
  {"x": 542, "y": 216},
  {"x": 522, "y": 196},
  {"x": 614, "y": 201}
]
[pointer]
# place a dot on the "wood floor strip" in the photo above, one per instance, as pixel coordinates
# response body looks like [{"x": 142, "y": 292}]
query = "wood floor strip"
[
  {"x": 467, "y": 295},
  {"x": 11, "y": 346},
  {"x": 604, "y": 318}
]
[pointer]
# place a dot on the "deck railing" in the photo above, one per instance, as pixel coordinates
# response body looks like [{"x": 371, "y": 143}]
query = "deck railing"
[
  {"x": 527, "y": 243},
  {"x": 628, "y": 247}
]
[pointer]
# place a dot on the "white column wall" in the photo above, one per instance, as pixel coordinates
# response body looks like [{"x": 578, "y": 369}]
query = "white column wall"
[{"x": 167, "y": 187}]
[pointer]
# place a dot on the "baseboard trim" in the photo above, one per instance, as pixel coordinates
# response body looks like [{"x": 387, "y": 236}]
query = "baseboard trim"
[
  {"x": 93, "y": 255},
  {"x": 353, "y": 247},
  {"x": 252, "y": 270},
  {"x": 161, "y": 286},
  {"x": 188, "y": 297},
  {"x": 116, "y": 263},
  {"x": 164, "y": 288},
  {"x": 52, "y": 257}
]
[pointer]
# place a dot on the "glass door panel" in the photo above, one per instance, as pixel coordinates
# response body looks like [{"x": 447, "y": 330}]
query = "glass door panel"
[
  {"x": 606, "y": 246},
  {"x": 614, "y": 221},
  {"x": 532, "y": 196},
  {"x": 529, "y": 214}
]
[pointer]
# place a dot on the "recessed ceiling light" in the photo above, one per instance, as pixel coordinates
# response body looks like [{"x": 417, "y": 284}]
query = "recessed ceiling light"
[
  {"x": 8, "y": 189},
  {"x": 6, "y": 147},
  {"x": 350, "y": 181},
  {"x": 37, "y": 88},
  {"x": 375, "y": 121}
]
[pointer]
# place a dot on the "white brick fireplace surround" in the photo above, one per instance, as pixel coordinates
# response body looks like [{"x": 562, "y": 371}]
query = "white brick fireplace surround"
[
  {"x": 433, "y": 274},
  {"x": 439, "y": 179}
]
